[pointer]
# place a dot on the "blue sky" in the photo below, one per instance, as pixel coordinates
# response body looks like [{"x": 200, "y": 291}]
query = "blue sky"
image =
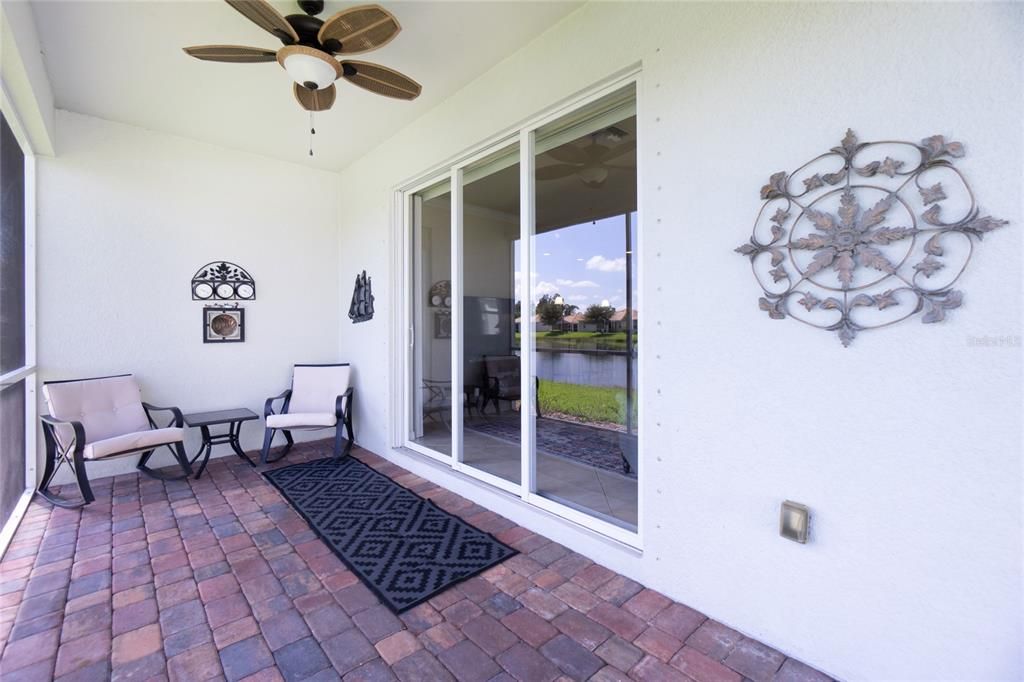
[{"x": 585, "y": 263}]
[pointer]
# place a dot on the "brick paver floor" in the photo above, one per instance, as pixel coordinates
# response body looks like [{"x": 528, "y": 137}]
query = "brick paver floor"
[{"x": 219, "y": 579}]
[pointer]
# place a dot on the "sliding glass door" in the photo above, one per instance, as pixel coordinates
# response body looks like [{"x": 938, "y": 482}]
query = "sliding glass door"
[
  {"x": 585, "y": 321},
  {"x": 491, "y": 367},
  {"x": 525, "y": 314},
  {"x": 431, "y": 396}
]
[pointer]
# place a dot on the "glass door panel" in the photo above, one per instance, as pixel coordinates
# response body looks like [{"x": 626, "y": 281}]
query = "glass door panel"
[
  {"x": 491, "y": 364},
  {"x": 586, "y": 310},
  {"x": 431, "y": 395}
]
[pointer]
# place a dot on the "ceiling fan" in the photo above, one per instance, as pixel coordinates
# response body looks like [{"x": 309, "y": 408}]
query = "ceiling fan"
[
  {"x": 310, "y": 46},
  {"x": 589, "y": 163}
]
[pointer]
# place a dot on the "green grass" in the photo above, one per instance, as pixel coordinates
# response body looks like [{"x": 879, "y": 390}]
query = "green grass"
[
  {"x": 591, "y": 403},
  {"x": 582, "y": 340}
]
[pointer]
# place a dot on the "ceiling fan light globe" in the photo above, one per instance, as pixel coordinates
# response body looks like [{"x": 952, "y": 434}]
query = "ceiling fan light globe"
[
  {"x": 308, "y": 66},
  {"x": 593, "y": 175}
]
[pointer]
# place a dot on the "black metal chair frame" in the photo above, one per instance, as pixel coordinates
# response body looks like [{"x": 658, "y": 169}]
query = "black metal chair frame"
[
  {"x": 72, "y": 455},
  {"x": 492, "y": 392},
  {"x": 342, "y": 412}
]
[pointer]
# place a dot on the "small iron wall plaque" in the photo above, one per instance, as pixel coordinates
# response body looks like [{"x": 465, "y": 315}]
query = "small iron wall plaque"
[
  {"x": 361, "y": 308},
  {"x": 866, "y": 235},
  {"x": 223, "y": 325},
  {"x": 440, "y": 295},
  {"x": 442, "y": 324},
  {"x": 223, "y": 281}
]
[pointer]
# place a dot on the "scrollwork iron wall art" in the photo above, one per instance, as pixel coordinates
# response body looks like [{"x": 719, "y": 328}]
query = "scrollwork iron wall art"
[
  {"x": 223, "y": 281},
  {"x": 874, "y": 252}
]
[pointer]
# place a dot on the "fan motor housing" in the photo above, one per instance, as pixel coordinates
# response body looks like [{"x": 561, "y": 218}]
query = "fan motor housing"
[{"x": 307, "y": 27}]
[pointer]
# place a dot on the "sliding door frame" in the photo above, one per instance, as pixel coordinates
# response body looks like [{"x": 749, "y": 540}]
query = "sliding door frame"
[{"x": 524, "y": 135}]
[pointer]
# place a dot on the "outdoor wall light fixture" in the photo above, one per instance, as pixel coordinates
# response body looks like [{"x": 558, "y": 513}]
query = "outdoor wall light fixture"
[{"x": 793, "y": 521}]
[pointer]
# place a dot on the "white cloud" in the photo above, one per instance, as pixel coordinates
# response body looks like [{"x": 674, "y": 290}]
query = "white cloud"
[
  {"x": 603, "y": 264},
  {"x": 576, "y": 284},
  {"x": 543, "y": 288},
  {"x": 578, "y": 298}
]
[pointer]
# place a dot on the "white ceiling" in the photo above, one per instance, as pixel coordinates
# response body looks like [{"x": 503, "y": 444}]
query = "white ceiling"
[{"x": 123, "y": 61}]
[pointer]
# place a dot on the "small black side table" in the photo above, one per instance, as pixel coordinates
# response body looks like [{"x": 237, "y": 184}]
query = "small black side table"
[{"x": 233, "y": 418}]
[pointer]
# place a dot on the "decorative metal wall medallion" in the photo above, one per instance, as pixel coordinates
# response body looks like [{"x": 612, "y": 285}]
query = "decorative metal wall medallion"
[
  {"x": 866, "y": 235},
  {"x": 223, "y": 281},
  {"x": 361, "y": 308}
]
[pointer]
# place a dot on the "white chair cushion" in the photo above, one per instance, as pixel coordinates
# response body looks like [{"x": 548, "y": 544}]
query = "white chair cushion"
[
  {"x": 106, "y": 407},
  {"x": 132, "y": 442},
  {"x": 316, "y": 387},
  {"x": 294, "y": 420}
]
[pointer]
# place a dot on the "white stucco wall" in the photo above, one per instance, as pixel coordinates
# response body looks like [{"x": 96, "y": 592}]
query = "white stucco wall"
[
  {"x": 127, "y": 216},
  {"x": 906, "y": 446}
]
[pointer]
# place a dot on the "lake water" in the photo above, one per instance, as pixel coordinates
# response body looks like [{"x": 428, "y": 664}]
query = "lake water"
[{"x": 591, "y": 368}]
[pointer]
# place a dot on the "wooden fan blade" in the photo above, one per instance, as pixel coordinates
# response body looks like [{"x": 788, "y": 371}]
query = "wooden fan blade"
[
  {"x": 568, "y": 153},
  {"x": 315, "y": 100},
  {"x": 263, "y": 14},
  {"x": 358, "y": 29},
  {"x": 230, "y": 53},
  {"x": 380, "y": 79},
  {"x": 561, "y": 170}
]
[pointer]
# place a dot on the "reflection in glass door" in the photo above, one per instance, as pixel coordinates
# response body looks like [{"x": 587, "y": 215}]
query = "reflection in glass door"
[
  {"x": 587, "y": 310},
  {"x": 431, "y": 394},
  {"x": 491, "y": 366}
]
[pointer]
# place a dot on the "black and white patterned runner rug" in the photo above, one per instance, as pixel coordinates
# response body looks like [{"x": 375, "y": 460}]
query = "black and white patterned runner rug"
[{"x": 404, "y": 547}]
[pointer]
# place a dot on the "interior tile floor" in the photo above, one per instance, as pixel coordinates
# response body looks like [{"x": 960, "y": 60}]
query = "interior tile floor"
[
  {"x": 218, "y": 579},
  {"x": 608, "y": 495}
]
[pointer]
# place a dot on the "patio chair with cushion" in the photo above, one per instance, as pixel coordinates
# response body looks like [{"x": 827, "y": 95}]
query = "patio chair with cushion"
[
  {"x": 502, "y": 381},
  {"x": 320, "y": 398},
  {"x": 100, "y": 418}
]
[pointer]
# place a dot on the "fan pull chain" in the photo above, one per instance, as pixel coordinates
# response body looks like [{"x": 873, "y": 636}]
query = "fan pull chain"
[{"x": 312, "y": 132}]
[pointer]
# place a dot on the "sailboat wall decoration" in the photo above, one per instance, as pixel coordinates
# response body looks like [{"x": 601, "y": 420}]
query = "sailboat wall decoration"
[{"x": 361, "y": 308}]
